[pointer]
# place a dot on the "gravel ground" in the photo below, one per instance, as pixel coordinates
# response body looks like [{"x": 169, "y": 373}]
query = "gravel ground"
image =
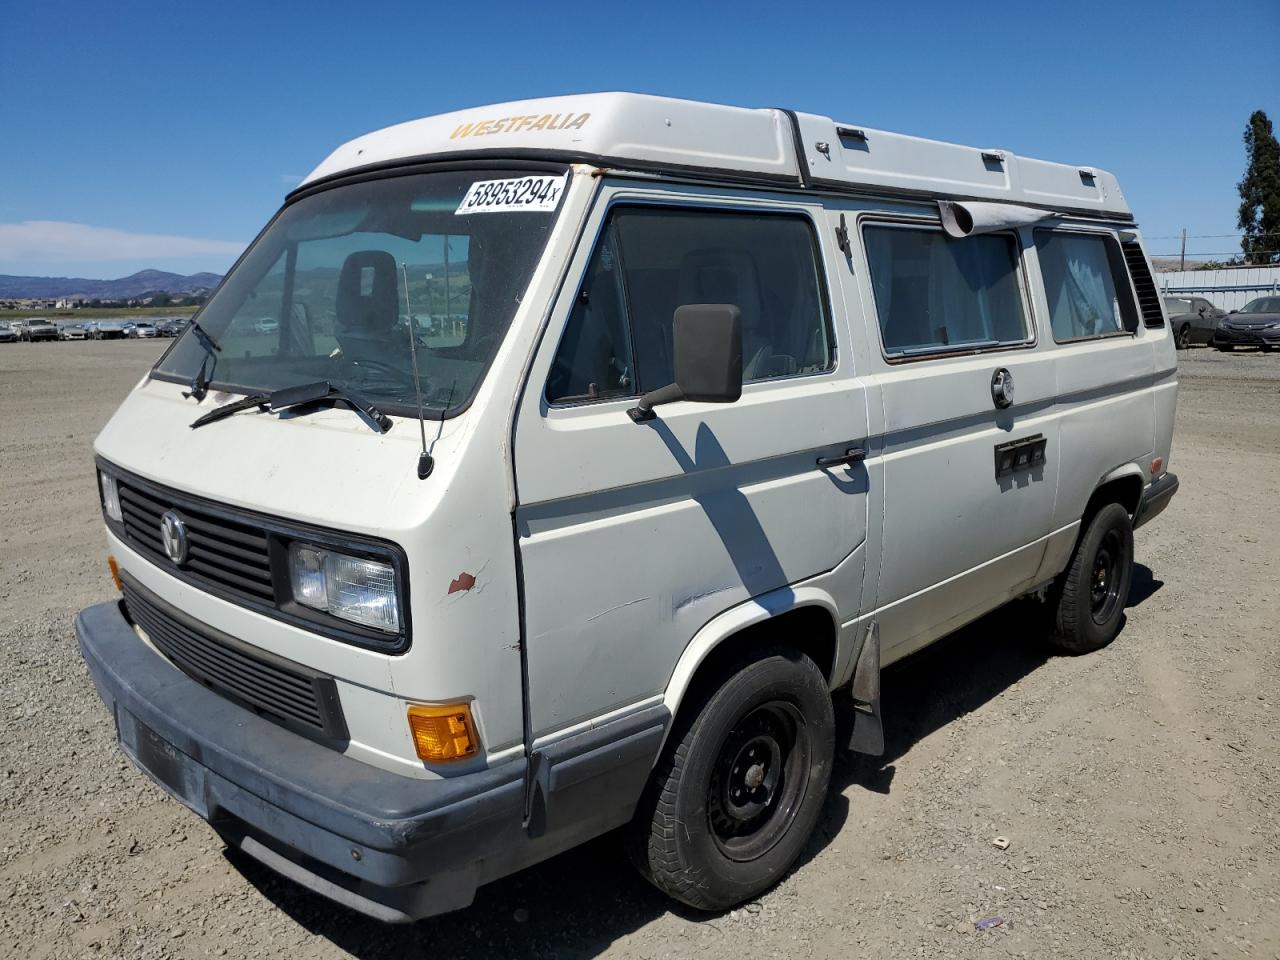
[{"x": 1138, "y": 786}]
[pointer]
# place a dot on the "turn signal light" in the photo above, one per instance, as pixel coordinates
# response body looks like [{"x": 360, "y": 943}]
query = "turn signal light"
[
  {"x": 443, "y": 733},
  {"x": 1156, "y": 466},
  {"x": 115, "y": 572}
]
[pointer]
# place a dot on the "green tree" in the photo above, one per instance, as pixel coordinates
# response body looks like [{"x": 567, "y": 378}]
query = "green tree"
[{"x": 1260, "y": 193}]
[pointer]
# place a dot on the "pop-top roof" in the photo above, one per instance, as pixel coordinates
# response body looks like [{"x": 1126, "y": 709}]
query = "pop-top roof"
[{"x": 628, "y": 130}]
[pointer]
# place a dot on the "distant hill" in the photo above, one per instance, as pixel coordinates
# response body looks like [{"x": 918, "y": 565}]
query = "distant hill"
[{"x": 134, "y": 285}]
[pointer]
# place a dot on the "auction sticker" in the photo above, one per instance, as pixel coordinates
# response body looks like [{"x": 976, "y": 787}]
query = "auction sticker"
[{"x": 537, "y": 194}]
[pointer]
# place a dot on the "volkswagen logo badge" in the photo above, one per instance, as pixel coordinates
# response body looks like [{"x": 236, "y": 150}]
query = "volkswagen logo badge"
[{"x": 174, "y": 534}]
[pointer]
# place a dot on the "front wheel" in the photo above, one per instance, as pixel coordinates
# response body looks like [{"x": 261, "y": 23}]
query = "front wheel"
[
  {"x": 1184, "y": 337},
  {"x": 740, "y": 786},
  {"x": 1091, "y": 595}
]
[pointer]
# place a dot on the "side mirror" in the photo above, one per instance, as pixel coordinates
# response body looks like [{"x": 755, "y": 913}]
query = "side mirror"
[{"x": 707, "y": 343}]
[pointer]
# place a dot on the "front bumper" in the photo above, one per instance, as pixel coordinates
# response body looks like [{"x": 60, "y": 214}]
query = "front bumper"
[
  {"x": 394, "y": 848},
  {"x": 1155, "y": 498},
  {"x": 391, "y": 847},
  {"x": 1262, "y": 337}
]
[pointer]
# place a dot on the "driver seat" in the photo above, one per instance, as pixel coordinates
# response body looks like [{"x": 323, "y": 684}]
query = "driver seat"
[{"x": 367, "y": 307}]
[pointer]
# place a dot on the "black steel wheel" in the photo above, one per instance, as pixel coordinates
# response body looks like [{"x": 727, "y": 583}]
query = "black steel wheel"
[
  {"x": 758, "y": 781},
  {"x": 1104, "y": 586},
  {"x": 1089, "y": 598},
  {"x": 740, "y": 785}
]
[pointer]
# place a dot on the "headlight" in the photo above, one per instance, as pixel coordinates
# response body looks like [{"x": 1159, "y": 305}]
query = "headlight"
[
  {"x": 358, "y": 590},
  {"x": 111, "y": 497}
]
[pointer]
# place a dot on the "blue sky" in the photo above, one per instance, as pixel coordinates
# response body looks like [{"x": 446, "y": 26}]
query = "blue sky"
[{"x": 164, "y": 135}]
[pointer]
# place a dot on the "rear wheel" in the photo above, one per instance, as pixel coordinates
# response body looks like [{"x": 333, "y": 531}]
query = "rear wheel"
[
  {"x": 1091, "y": 595},
  {"x": 740, "y": 786}
]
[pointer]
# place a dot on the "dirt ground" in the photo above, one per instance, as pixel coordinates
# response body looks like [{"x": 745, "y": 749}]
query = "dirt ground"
[{"x": 1139, "y": 787}]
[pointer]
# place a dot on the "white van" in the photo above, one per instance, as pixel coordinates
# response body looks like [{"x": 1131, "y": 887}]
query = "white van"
[{"x": 601, "y": 444}]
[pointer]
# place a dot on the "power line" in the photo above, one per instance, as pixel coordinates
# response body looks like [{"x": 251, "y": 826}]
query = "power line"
[
  {"x": 1217, "y": 253},
  {"x": 1215, "y": 236}
]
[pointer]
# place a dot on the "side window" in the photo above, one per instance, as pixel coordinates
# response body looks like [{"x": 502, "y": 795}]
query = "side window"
[
  {"x": 594, "y": 359},
  {"x": 650, "y": 261},
  {"x": 1087, "y": 285},
  {"x": 935, "y": 293}
]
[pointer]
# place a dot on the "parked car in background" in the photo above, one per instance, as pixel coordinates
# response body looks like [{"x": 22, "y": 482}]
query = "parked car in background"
[
  {"x": 72, "y": 331},
  {"x": 1256, "y": 324},
  {"x": 7, "y": 334},
  {"x": 170, "y": 328},
  {"x": 39, "y": 329},
  {"x": 266, "y": 325},
  {"x": 140, "y": 330},
  {"x": 1193, "y": 320},
  {"x": 105, "y": 330}
]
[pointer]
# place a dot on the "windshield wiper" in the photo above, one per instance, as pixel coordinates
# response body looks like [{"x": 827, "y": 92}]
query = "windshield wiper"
[
  {"x": 235, "y": 406},
  {"x": 200, "y": 382},
  {"x": 289, "y": 397}
]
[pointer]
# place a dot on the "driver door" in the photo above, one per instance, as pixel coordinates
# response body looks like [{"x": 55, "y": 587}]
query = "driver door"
[{"x": 632, "y": 536}]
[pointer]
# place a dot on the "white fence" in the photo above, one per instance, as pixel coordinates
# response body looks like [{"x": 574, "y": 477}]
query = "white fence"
[{"x": 1229, "y": 288}]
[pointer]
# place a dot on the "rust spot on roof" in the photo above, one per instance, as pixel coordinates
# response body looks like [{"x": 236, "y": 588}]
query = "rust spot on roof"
[{"x": 463, "y": 581}]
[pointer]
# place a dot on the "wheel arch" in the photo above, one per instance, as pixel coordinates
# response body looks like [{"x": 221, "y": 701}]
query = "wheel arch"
[
  {"x": 805, "y": 619},
  {"x": 1122, "y": 485}
]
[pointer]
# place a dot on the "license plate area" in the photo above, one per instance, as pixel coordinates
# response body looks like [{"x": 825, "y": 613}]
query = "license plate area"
[{"x": 179, "y": 775}]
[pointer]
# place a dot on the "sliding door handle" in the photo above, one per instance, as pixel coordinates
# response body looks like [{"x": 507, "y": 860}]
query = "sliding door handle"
[{"x": 848, "y": 458}]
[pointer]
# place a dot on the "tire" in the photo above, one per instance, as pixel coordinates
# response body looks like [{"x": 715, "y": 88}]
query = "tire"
[
  {"x": 768, "y": 732},
  {"x": 1184, "y": 337},
  {"x": 1225, "y": 347},
  {"x": 1091, "y": 594}
]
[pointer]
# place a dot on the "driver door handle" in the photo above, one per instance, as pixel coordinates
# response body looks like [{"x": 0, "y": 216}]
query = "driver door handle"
[{"x": 849, "y": 457}]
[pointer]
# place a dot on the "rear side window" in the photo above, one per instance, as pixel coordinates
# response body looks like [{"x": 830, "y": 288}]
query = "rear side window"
[
  {"x": 934, "y": 293},
  {"x": 1086, "y": 284},
  {"x": 649, "y": 261}
]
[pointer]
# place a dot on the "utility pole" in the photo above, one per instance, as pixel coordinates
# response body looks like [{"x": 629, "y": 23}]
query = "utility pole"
[{"x": 1182, "y": 261}]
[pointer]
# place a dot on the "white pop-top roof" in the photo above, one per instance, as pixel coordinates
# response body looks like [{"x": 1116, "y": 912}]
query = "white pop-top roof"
[{"x": 767, "y": 145}]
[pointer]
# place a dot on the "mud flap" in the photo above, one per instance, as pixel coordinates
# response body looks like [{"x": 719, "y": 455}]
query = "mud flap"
[{"x": 868, "y": 730}]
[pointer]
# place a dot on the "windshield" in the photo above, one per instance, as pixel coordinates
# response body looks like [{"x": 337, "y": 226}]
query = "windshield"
[
  {"x": 1262, "y": 305},
  {"x": 321, "y": 295}
]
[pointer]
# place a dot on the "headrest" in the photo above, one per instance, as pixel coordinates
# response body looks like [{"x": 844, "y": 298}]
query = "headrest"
[{"x": 367, "y": 291}]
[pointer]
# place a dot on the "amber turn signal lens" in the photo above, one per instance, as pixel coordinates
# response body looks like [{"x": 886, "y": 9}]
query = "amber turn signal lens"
[
  {"x": 115, "y": 572},
  {"x": 443, "y": 733}
]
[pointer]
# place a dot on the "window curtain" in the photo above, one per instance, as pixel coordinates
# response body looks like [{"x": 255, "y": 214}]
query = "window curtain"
[{"x": 1086, "y": 304}]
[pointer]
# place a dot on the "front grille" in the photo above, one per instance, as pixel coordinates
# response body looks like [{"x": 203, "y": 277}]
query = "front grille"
[
  {"x": 287, "y": 692},
  {"x": 1148, "y": 296},
  {"x": 229, "y": 556}
]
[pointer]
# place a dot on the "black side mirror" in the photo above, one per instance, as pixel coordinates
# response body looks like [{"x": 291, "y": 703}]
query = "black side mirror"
[{"x": 707, "y": 343}]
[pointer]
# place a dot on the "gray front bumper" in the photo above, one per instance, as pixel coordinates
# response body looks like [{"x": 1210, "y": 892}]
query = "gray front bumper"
[
  {"x": 395, "y": 848},
  {"x": 391, "y": 847}
]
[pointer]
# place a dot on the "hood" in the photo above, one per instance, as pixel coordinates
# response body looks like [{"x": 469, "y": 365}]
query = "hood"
[{"x": 325, "y": 468}]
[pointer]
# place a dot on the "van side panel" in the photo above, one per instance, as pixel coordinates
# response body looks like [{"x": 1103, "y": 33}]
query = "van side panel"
[
  {"x": 1107, "y": 415},
  {"x": 633, "y": 536}
]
